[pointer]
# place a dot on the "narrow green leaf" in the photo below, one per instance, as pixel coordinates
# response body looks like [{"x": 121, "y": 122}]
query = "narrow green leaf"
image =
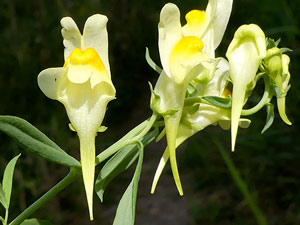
[
  {"x": 219, "y": 101},
  {"x": 2, "y": 198},
  {"x": 193, "y": 100},
  {"x": 33, "y": 140},
  {"x": 270, "y": 117},
  {"x": 125, "y": 214},
  {"x": 120, "y": 162},
  {"x": 8, "y": 178},
  {"x": 36, "y": 222},
  {"x": 117, "y": 164},
  {"x": 2, "y": 219},
  {"x": 151, "y": 63}
]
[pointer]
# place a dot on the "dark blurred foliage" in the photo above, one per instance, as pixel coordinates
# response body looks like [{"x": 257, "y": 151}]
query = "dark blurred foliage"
[{"x": 269, "y": 163}]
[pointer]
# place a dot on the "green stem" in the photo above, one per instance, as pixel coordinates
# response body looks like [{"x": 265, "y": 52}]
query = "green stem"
[
  {"x": 134, "y": 135},
  {"x": 145, "y": 130},
  {"x": 119, "y": 144},
  {"x": 264, "y": 100},
  {"x": 260, "y": 218},
  {"x": 71, "y": 177},
  {"x": 6, "y": 217}
]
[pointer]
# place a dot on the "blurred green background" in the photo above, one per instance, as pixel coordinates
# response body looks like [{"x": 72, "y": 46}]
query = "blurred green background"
[{"x": 30, "y": 41}]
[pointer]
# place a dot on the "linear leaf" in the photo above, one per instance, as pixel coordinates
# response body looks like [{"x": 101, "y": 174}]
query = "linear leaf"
[
  {"x": 33, "y": 140},
  {"x": 270, "y": 117},
  {"x": 8, "y": 178},
  {"x": 2, "y": 198},
  {"x": 125, "y": 214},
  {"x": 120, "y": 162},
  {"x": 219, "y": 101}
]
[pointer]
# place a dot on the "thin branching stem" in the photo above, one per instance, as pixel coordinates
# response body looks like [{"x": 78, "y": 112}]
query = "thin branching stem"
[{"x": 71, "y": 177}]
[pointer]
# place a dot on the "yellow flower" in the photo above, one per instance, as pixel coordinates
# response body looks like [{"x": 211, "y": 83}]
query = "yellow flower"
[
  {"x": 209, "y": 25},
  {"x": 83, "y": 85},
  {"x": 244, "y": 53},
  {"x": 184, "y": 53}
]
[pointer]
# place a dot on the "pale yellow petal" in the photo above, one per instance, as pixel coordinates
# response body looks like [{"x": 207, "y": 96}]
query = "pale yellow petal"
[
  {"x": 71, "y": 35},
  {"x": 95, "y": 36},
  {"x": 169, "y": 29},
  {"x": 218, "y": 11},
  {"x": 48, "y": 81},
  {"x": 79, "y": 74}
]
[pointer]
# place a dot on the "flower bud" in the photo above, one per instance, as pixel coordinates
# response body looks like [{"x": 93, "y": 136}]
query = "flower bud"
[{"x": 244, "y": 54}]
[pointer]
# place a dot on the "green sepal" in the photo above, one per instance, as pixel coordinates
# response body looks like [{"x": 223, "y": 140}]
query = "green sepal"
[
  {"x": 271, "y": 43},
  {"x": 102, "y": 129},
  {"x": 151, "y": 63},
  {"x": 33, "y": 140},
  {"x": 36, "y": 222},
  {"x": 125, "y": 214},
  {"x": 270, "y": 117},
  {"x": 252, "y": 84},
  {"x": 284, "y": 50},
  {"x": 277, "y": 91},
  {"x": 155, "y": 100},
  {"x": 155, "y": 103},
  {"x": 72, "y": 128},
  {"x": 220, "y": 102},
  {"x": 120, "y": 162}
]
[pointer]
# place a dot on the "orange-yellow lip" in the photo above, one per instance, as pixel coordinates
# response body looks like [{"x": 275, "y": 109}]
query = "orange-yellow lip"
[
  {"x": 195, "y": 17},
  {"x": 187, "y": 46},
  {"x": 85, "y": 57}
]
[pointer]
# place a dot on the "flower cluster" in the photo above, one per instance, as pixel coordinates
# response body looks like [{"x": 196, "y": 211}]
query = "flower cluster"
[{"x": 195, "y": 88}]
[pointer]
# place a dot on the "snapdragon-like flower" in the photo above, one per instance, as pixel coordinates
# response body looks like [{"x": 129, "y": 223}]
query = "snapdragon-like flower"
[
  {"x": 198, "y": 116},
  {"x": 244, "y": 53},
  {"x": 277, "y": 68},
  {"x": 184, "y": 53},
  {"x": 83, "y": 85}
]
